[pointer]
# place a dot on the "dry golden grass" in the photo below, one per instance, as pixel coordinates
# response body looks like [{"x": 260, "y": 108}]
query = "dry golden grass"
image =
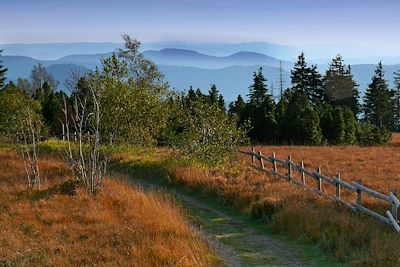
[
  {"x": 395, "y": 139},
  {"x": 356, "y": 240},
  {"x": 120, "y": 226},
  {"x": 376, "y": 167}
]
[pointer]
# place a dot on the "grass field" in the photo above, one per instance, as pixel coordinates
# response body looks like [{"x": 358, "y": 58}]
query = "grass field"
[
  {"x": 349, "y": 236},
  {"x": 376, "y": 167},
  {"x": 61, "y": 225},
  {"x": 352, "y": 239}
]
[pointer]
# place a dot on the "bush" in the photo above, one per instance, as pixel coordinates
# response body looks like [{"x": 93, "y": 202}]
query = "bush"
[
  {"x": 206, "y": 133},
  {"x": 350, "y": 122},
  {"x": 15, "y": 107},
  {"x": 369, "y": 134},
  {"x": 338, "y": 125},
  {"x": 299, "y": 122}
]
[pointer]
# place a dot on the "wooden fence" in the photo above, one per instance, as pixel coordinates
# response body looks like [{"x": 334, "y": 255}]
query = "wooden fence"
[{"x": 356, "y": 187}]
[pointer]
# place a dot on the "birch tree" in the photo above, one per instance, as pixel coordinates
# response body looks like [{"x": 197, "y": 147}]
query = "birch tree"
[{"x": 84, "y": 155}]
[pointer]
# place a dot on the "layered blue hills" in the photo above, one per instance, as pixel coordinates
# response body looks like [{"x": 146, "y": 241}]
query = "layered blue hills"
[{"x": 182, "y": 67}]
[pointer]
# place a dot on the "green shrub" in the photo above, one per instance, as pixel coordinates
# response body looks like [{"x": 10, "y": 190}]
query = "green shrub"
[
  {"x": 206, "y": 133},
  {"x": 299, "y": 122},
  {"x": 369, "y": 134}
]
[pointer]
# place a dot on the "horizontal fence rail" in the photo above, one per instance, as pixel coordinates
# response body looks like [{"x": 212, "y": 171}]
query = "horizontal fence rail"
[{"x": 356, "y": 187}]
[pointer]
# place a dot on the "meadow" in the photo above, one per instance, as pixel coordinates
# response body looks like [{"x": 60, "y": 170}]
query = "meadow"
[
  {"x": 121, "y": 215},
  {"x": 62, "y": 225},
  {"x": 352, "y": 239}
]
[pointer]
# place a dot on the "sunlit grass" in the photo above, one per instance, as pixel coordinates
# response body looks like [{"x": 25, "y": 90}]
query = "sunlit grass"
[
  {"x": 62, "y": 225},
  {"x": 352, "y": 239}
]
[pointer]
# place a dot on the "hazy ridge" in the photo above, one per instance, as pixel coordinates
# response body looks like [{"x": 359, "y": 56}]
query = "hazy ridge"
[{"x": 232, "y": 73}]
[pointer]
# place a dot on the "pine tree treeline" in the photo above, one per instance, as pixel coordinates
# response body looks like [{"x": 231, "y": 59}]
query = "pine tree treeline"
[
  {"x": 320, "y": 109},
  {"x": 315, "y": 110}
]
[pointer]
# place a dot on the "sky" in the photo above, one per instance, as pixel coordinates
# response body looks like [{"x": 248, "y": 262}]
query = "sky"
[{"x": 360, "y": 23}]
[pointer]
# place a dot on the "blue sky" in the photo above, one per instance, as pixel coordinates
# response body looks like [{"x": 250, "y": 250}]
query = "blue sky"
[{"x": 369, "y": 24}]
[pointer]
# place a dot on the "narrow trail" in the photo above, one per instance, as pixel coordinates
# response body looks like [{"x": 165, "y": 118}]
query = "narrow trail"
[
  {"x": 234, "y": 239},
  {"x": 239, "y": 243}
]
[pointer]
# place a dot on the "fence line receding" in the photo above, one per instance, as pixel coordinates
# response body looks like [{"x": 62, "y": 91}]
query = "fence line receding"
[{"x": 390, "y": 217}]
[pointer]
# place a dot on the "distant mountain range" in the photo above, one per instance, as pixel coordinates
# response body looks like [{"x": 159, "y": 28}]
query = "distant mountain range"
[
  {"x": 52, "y": 51},
  {"x": 321, "y": 53},
  {"x": 184, "y": 68},
  {"x": 184, "y": 57},
  {"x": 232, "y": 74}
]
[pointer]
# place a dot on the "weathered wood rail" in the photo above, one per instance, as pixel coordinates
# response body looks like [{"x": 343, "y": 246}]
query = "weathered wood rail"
[{"x": 390, "y": 217}]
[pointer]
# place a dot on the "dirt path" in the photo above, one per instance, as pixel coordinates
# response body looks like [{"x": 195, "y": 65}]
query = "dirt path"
[{"x": 234, "y": 239}]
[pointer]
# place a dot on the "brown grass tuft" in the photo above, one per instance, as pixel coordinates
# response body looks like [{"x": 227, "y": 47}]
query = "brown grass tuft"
[{"x": 64, "y": 226}]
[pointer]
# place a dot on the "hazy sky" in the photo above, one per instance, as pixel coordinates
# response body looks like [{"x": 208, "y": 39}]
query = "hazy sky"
[{"x": 353, "y": 22}]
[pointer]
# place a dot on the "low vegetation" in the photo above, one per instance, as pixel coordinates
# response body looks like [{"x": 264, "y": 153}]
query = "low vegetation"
[
  {"x": 63, "y": 225},
  {"x": 352, "y": 239}
]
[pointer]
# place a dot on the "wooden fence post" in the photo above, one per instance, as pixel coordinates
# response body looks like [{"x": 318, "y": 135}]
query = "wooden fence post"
[
  {"x": 261, "y": 160},
  {"x": 303, "y": 176},
  {"x": 394, "y": 207},
  {"x": 338, "y": 189},
  {"x": 253, "y": 157},
  {"x": 275, "y": 168},
  {"x": 359, "y": 194},
  {"x": 290, "y": 167},
  {"x": 319, "y": 181}
]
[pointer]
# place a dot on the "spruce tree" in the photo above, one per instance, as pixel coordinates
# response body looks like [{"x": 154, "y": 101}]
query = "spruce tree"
[
  {"x": 260, "y": 111},
  {"x": 354, "y": 103},
  {"x": 52, "y": 104},
  {"x": 299, "y": 122},
  {"x": 3, "y": 71},
  {"x": 221, "y": 103},
  {"x": 258, "y": 90},
  {"x": 199, "y": 94},
  {"x": 339, "y": 86},
  {"x": 191, "y": 95},
  {"x": 317, "y": 92},
  {"x": 237, "y": 107},
  {"x": 396, "y": 101},
  {"x": 236, "y": 110},
  {"x": 307, "y": 80},
  {"x": 213, "y": 94},
  {"x": 378, "y": 104}
]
